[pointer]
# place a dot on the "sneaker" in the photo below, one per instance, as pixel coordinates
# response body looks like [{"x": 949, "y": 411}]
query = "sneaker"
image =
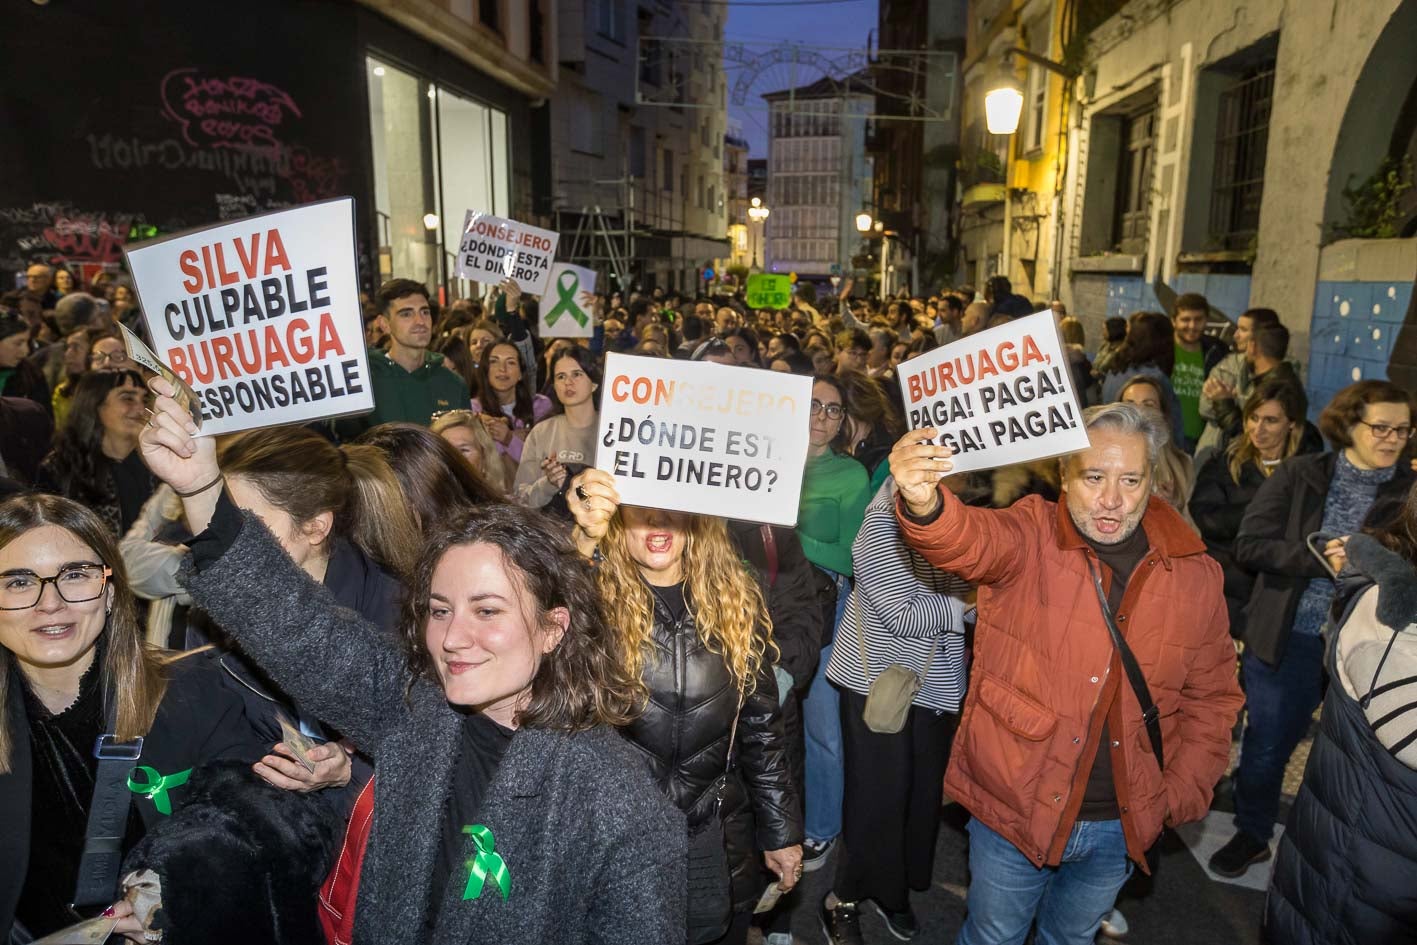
[
  {"x": 780, "y": 938},
  {"x": 1237, "y": 856},
  {"x": 841, "y": 923},
  {"x": 1115, "y": 925},
  {"x": 903, "y": 925},
  {"x": 814, "y": 853}
]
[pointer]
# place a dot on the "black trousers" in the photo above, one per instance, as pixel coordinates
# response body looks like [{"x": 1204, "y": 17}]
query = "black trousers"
[{"x": 891, "y": 809}]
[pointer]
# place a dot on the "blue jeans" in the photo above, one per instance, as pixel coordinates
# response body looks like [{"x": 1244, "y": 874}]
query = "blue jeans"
[
  {"x": 1007, "y": 892},
  {"x": 825, "y": 761},
  {"x": 1280, "y": 701}
]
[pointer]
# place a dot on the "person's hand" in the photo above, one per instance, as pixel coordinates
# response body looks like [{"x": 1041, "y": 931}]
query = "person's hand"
[
  {"x": 1216, "y": 389},
  {"x": 1336, "y": 553},
  {"x": 554, "y": 472},
  {"x": 592, "y": 500},
  {"x": 497, "y": 427},
  {"x": 280, "y": 769},
  {"x": 918, "y": 465},
  {"x": 129, "y": 925},
  {"x": 846, "y": 285},
  {"x": 170, "y": 446},
  {"x": 787, "y": 864},
  {"x": 513, "y": 292}
]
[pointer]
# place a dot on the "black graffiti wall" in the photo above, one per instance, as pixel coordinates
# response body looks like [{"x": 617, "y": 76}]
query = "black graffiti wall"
[{"x": 125, "y": 119}]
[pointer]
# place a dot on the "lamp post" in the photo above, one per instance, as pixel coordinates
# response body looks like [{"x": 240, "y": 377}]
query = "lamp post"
[{"x": 759, "y": 215}]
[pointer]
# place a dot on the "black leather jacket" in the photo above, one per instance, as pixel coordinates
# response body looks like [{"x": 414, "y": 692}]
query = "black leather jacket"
[{"x": 685, "y": 731}]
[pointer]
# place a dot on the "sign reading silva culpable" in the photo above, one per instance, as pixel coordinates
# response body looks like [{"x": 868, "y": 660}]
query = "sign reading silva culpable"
[
  {"x": 998, "y": 397},
  {"x": 261, "y": 316}
]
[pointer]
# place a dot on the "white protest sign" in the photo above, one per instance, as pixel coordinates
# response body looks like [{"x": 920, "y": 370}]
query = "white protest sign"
[
  {"x": 694, "y": 436},
  {"x": 562, "y": 315},
  {"x": 998, "y": 397},
  {"x": 492, "y": 249},
  {"x": 260, "y": 316}
]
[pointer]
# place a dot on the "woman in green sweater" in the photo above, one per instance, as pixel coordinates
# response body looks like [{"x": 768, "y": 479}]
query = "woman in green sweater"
[{"x": 835, "y": 491}]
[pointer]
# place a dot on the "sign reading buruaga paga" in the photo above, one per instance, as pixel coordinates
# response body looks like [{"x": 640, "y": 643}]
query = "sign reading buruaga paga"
[
  {"x": 562, "y": 312},
  {"x": 1000, "y": 397},
  {"x": 492, "y": 249},
  {"x": 261, "y": 317},
  {"x": 694, "y": 436}
]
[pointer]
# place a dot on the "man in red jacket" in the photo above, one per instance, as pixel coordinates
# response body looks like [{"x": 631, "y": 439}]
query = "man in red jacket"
[{"x": 1053, "y": 758}]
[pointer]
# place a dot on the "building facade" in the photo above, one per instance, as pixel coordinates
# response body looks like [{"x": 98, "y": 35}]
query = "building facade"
[
  {"x": 818, "y": 175},
  {"x": 637, "y": 133},
  {"x": 735, "y": 186},
  {"x": 420, "y": 109}
]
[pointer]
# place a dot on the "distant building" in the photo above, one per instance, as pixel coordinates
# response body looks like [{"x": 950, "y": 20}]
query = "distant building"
[
  {"x": 819, "y": 175},
  {"x": 638, "y": 188},
  {"x": 735, "y": 185}
]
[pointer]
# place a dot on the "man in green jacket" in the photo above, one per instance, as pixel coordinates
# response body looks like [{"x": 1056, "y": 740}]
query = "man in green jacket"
[{"x": 409, "y": 382}]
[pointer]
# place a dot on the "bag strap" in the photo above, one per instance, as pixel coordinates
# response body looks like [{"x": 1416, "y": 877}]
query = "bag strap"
[
  {"x": 1150, "y": 714},
  {"x": 728, "y": 760},
  {"x": 102, "y": 857},
  {"x": 770, "y": 550},
  {"x": 855, "y": 600}
]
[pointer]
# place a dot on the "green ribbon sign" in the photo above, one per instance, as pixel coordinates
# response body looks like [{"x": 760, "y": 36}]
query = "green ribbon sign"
[
  {"x": 156, "y": 786},
  {"x": 486, "y": 862},
  {"x": 566, "y": 299}
]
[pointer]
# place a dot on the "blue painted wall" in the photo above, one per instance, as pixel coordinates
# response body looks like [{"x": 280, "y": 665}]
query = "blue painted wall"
[
  {"x": 1228, "y": 293},
  {"x": 1354, "y": 326}
]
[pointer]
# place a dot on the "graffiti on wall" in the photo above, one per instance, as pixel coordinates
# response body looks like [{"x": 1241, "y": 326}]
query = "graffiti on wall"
[{"x": 85, "y": 241}]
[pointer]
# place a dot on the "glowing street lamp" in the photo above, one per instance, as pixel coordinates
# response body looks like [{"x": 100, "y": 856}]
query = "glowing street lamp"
[
  {"x": 1003, "y": 104},
  {"x": 863, "y": 222}
]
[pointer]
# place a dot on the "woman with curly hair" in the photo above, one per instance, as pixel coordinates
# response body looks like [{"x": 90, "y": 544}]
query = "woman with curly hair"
[
  {"x": 506, "y": 806},
  {"x": 693, "y": 626},
  {"x": 95, "y": 460}
]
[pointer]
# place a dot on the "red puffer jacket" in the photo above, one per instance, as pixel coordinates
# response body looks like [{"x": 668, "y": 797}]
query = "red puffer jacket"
[
  {"x": 340, "y": 888},
  {"x": 1044, "y": 664}
]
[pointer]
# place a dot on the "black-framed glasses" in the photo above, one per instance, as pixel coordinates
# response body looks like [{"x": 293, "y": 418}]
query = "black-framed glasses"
[
  {"x": 21, "y": 590},
  {"x": 1381, "y": 431},
  {"x": 833, "y": 411}
]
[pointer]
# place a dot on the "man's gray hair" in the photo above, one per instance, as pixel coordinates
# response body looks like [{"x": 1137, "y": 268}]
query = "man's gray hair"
[
  {"x": 1130, "y": 420},
  {"x": 74, "y": 311}
]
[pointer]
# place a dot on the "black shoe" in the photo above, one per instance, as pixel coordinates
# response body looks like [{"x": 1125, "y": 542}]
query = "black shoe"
[
  {"x": 1237, "y": 856},
  {"x": 903, "y": 925},
  {"x": 815, "y": 853},
  {"x": 842, "y": 923}
]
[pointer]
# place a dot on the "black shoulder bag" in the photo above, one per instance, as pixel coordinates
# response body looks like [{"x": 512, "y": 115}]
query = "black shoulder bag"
[
  {"x": 710, "y": 900},
  {"x": 97, "y": 881},
  {"x": 1150, "y": 714}
]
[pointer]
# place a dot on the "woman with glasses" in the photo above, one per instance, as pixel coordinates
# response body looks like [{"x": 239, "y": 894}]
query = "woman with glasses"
[
  {"x": 108, "y": 354},
  {"x": 506, "y": 808},
  {"x": 835, "y": 492},
  {"x": 77, "y": 346},
  {"x": 1292, "y": 537},
  {"x": 73, "y": 666},
  {"x": 567, "y": 437},
  {"x": 95, "y": 459}
]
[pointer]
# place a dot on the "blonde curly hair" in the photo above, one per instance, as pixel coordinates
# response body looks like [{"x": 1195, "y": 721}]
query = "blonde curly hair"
[{"x": 723, "y": 597}]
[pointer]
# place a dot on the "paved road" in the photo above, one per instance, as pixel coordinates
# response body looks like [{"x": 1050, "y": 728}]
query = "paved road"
[{"x": 1181, "y": 906}]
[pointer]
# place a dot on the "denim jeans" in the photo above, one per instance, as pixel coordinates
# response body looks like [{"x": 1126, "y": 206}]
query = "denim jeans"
[
  {"x": 1007, "y": 892},
  {"x": 821, "y": 725},
  {"x": 1280, "y": 701}
]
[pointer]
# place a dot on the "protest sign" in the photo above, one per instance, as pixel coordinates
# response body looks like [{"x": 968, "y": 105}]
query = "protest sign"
[
  {"x": 769, "y": 291},
  {"x": 492, "y": 249},
  {"x": 261, "y": 317},
  {"x": 561, "y": 313},
  {"x": 694, "y": 436},
  {"x": 999, "y": 397}
]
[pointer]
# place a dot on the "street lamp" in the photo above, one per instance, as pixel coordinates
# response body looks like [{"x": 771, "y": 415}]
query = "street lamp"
[
  {"x": 863, "y": 222},
  {"x": 759, "y": 215},
  {"x": 1002, "y": 105}
]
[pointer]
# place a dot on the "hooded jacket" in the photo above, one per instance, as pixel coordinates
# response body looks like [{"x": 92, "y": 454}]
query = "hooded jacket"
[
  {"x": 1044, "y": 664},
  {"x": 402, "y": 396}
]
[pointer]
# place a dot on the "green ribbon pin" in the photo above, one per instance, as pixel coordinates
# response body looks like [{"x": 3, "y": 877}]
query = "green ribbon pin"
[
  {"x": 487, "y": 862},
  {"x": 566, "y": 299},
  {"x": 156, "y": 785}
]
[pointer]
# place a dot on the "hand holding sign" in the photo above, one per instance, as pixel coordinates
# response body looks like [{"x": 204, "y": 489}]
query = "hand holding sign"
[
  {"x": 171, "y": 448},
  {"x": 593, "y": 500},
  {"x": 918, "y": 465}
]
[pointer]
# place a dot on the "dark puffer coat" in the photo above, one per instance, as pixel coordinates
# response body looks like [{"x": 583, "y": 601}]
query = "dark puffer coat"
[
  {"x": 685, "y": 731},
  {"x": 1217, "y": 507},
  {"x": 1346, "y": 862}
]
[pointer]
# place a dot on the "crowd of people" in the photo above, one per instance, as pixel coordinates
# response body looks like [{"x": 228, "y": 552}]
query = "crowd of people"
[{"x": 418, "y": 675}]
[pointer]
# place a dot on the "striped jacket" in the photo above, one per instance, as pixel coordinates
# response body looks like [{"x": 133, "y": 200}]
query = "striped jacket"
[{"x": 906, "y": 608}]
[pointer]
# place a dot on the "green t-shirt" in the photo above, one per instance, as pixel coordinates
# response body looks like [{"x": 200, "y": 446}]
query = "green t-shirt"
[{"x": 1187, "y": 378}]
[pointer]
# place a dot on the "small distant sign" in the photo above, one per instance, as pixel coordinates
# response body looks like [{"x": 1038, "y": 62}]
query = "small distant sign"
[{"x": 769, "y": 291}]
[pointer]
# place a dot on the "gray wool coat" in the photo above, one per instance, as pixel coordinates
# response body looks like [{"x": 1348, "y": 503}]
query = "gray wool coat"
[{"x": 596, "y": 853}]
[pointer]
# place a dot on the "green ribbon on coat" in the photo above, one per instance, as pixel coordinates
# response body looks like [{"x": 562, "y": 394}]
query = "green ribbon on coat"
[
  {"x": 486, "y": 863},
  {"x": 157, "y": 785}
]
